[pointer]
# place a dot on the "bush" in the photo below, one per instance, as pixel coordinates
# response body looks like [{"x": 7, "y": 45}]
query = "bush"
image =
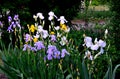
[{"x": 115, "y": 5}]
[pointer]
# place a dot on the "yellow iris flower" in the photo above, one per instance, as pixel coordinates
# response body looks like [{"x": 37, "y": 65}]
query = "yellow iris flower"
[
  {"x": 52, "y": 33},
  {"x": 63, "y": 26},
  {"x": 35, "y": 40},
  {"x": 32, "y": 28}
]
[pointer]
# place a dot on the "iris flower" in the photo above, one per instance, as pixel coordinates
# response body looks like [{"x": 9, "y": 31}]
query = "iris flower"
[
  {"x": 35, "y": 39},
  {"x": 64, "y": 52},
  {"x": 88, "y": 41},
  {"x": 32, "y": 28},
  {"x": 51, "y": 16},
  {"x": 88, "y": 55},
  {"x": 26, "y": 46},
  {"x": 28, "y": 38},
  {"x": 16, "y": 17},
  {"x": 63, "y": 41},
  {"x": 39, "y": 45},
  {"x": 62, "y": 20},
  {"x": 10, "y": 29},
  {"x": 44, "y": 34},
  {"x": 9, "y": 19},
  {"x": 40, "y": 15},
  {"x": 53, "y": 38},
  {"x": 56, "y": 54}
]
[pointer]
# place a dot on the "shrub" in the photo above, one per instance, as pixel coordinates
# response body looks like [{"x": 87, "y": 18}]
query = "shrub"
[{"x": 115, "y": 5}]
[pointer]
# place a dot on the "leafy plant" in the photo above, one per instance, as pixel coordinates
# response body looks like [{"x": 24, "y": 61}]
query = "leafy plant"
[{"x": 54, "y": 54}]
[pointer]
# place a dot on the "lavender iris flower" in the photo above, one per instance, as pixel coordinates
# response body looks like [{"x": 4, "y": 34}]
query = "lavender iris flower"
[
  {"x": 101, "y": 50},
  {"x": 94, "y": 47},
  {"x": 49, "y": 57},
  {"x": 44, "y": 33},
  {"x": 53, "y": 38},
  {"x": 88, "y": 41},
  {"x": 52, "y": 52},
  {"x": 13, "y": 23},
  {"x": 33, "y": 49},
  {"x": 101, "y": 43},
  {"x": 39, "y": 45},
  {"x": 10, "y": 29},
  {"x": 51, "y": 49},
  {"x": 1, "y": 24},
  {"x": 64, "y": 52},
  {"x": 16, "y": 17},
  {"x": 26, "y": 46},
  {"x": 9, "y": 19},
  {"x": 28, "y": 38},
  {"x": 18, "y": 24},
  {"x": 56, "y": 55}
]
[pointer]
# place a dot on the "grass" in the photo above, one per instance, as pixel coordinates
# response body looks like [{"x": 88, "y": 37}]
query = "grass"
[
  {"x": 99, "y": 12},
  {"x": 99, "y": 8}
]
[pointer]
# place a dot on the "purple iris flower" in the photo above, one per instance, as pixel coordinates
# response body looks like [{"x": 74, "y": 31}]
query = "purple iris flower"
[
  {"x": 18, "y": 24},
  {"x": 53, "y": 38},
  {"x": 39, "y": 45},
  {"x": 13, "y": 24},
  {"x": 33, "y": 49},
  {"x": 9, "y": 19},
  {"x": 10, "y": 29},
  {"x": 101, "y": 50},
  {"x": 52, "y": 52},
  {"x": 26, "y": 46},
  {"x": 1, "y": 24},
  {"x": 63, "y": 53},
  {"x": 28, "y": 38},
  {"x": 51, "y": 49},
  {"x": 56, "y": 55},
  {"x": 49, "y": 57},
  {"x": 16, "y": 17}
]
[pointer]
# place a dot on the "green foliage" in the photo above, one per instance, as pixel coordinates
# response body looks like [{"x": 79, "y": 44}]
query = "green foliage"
[
  {"x": 91, "y": 14},
  {"x": 25, "y": 64},
  {"x": 95, "y": 2},
  {"x": 115, "y": 22},
  {"x": 28, "y": 64},
  {"x": 110, "y": 74},
  {"x": 99, "y": 2}
]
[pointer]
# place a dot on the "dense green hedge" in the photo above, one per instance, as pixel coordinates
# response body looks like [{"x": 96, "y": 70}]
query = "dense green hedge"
[
  {"x": 115, "y": 7},
  {"x": 115, "y": 23},
  {"x": 100, "y": 2}
]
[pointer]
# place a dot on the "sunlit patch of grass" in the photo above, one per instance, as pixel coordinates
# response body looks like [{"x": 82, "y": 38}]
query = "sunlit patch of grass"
[
  {"x": 99, "y": 8},
  {"x": 101, "y": 12}
]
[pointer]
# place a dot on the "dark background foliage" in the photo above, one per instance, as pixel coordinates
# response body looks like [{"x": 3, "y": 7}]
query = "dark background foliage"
[
  {"x": 115, "y": 7},
  {"x": 68, "y": 8},
  {"x": 27, "y": 8},
  {"x": 115, "y": 23}
]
